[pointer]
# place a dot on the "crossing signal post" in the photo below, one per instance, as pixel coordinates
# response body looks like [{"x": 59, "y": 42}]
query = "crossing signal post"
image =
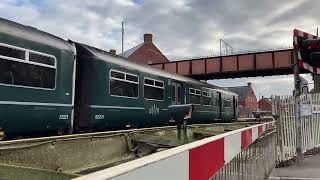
[{"x": 306, "y": 55}]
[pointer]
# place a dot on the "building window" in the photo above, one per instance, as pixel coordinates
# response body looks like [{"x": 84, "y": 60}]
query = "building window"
[
  {"x": 153, "y": 89},
  {"x": 17, "y": 70},
  {"x": 206, "y": 98},
  {"x": 123, "y": 84},
  {"x": 195, "y": 96}
]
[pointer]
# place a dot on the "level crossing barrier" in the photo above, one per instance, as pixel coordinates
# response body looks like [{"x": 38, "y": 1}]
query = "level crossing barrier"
[
  {"x": 201, "y": 160},
  {"x": 284, "y": 108}
]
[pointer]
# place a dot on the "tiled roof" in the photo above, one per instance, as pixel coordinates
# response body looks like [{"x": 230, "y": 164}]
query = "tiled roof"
[
  {"x": 242, "y": 91},
  {"x": 128, "y": 52}
]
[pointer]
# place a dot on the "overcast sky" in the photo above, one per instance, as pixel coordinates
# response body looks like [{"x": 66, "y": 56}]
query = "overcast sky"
[{"x": 181, "y": 27}]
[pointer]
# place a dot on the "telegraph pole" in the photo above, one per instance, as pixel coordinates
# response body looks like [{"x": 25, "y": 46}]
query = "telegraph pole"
[
  {"x": 297, "y": 93},
  {"x": 122, "y": 32}
]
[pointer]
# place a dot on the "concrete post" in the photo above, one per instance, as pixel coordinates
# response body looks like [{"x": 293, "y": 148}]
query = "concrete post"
[{"x": 297, "y": 93}]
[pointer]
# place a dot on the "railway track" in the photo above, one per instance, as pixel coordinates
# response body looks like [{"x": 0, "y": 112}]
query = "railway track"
[{"x": 64, "y": 157}]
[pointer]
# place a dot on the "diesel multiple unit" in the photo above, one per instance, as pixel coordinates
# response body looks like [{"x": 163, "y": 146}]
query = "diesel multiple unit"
[{"x": 50, "y": 85}]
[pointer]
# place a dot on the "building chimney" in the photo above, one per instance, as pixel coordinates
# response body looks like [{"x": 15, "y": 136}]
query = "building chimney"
[
  {"x": 112, "y": 51},
  {"x": 249, "y": 84},
  {"x": 147, "y": 37}
]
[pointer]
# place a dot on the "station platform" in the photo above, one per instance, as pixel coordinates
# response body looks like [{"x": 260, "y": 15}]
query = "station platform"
[{"x": 310, "y": 170}]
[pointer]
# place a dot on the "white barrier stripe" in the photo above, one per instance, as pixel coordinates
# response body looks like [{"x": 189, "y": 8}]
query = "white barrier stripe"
[
  {"x": 255, "y": 133},
  {"x": 232, "y": 146},
  {"x": 142, "y": 163}
]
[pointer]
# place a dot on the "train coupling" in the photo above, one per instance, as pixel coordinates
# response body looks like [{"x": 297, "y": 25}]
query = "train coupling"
[{"x": 1, "y": 134}]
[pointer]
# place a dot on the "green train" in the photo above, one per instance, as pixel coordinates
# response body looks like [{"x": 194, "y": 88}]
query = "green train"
[{"x": 50, "y": 85}]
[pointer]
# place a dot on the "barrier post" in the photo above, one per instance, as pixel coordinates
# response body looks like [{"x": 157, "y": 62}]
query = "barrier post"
[{"x": 297, "y": 93}]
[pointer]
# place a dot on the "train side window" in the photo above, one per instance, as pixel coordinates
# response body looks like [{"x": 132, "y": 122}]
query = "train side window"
[
  {"x": 41, "y": 59},
  {"x": 173, "y": 93},
  {"x": 227, "y": 103},
  {"x": 179, "y": 94},
  {"x": 24, "y": 74},
  {"x": 195, "y": 96},
  {"x": 12, "y": 52},
  {"x": 206, "y": 98},
  {"x": 153, "y": 89},
  {"x": 123, "y": 84}
]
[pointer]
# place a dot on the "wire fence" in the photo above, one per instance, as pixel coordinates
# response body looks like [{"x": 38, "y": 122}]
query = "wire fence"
[{"x": 254, "y": 163}]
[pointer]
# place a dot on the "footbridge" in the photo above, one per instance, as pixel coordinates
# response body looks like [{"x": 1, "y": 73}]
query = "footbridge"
[{"x": 247, "y": 64}]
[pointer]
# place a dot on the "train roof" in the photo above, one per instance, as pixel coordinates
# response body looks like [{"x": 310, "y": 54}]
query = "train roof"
[
  {"x": 32, "y": 34},
  {"x": 105, "y": 56}
]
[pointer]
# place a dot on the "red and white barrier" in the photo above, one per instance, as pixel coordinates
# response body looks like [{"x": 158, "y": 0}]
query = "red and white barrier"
[
  {"x": 302, "y": 64},
  {"x": 199, "y": 160}
]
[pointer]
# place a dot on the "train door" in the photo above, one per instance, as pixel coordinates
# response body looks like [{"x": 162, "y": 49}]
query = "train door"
[
  {"x": 235, "y": 104},
  {"x": 176, "y": 93},
  {"x": 220, "y": 105}
]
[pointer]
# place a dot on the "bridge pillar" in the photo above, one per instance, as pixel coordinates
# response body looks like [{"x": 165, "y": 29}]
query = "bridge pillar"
[{"x": 316, "y": 80}]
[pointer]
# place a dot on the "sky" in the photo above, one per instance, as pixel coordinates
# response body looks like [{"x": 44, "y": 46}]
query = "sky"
[{"x": 181, "y": 28}]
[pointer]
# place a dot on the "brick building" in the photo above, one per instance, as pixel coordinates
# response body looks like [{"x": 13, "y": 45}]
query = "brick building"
[
  {"x": 264, "y": 104},
  {"x": 146, "y": 52},
  {"x": 247, "y": 99}
]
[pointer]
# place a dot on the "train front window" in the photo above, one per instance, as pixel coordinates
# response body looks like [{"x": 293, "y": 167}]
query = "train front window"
[
  {"x": 153, "y": 89},
  {"x": 195, "y": 96},
  {"x": 123, "y": 84}
]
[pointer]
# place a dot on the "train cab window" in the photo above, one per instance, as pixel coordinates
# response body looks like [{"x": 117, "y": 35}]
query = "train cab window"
[
  {"x": 12, "y": 52},
  {"x": 123, "y": 84},
  {"x": 153, "y": 89},
  {"x": 206, "y": 98},
  {"x": 195, "y": 96}
]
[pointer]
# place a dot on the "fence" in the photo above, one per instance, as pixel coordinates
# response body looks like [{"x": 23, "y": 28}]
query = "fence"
[
  {"x": 310, "y": 124},
  {"x": 261, "y": 154}
]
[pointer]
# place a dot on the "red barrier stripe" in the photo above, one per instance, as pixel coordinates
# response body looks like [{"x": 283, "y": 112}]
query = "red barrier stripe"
[
  {"x": 206, "y": 160},
  {"x": 295, "y": 32},
  {"x": 246, "y": 138},
  {"x": 260, "y": 130},
  {"x": 305, "y": 35}
]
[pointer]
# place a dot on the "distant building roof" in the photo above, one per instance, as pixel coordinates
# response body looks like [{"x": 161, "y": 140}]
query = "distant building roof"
[
  {"x": 242, "y": 91},
  {"x": 146, "y": 52},
  {"x": 128, "y": 52}
]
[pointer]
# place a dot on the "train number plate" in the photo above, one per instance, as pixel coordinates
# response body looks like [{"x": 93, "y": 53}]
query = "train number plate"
[{"x": 63, "y": 116}]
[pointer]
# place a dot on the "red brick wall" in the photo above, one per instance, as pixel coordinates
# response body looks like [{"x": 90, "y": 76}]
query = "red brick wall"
[
  {"x": 249, "y": 103},
  {"x": 251, "y": 100},
  {"x": 148, "y": 53},
  {"x": 265, "y": 105}
]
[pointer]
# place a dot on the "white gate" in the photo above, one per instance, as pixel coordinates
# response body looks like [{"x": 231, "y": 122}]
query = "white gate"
[{"x": 284, "y": 108}]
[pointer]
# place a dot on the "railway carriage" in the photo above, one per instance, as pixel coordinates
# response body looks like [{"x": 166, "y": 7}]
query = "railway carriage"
[
  {"x": 113, "y": 92},
  {"x": 50, "y": 85},
  {"x": 35, "y": 80}
]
